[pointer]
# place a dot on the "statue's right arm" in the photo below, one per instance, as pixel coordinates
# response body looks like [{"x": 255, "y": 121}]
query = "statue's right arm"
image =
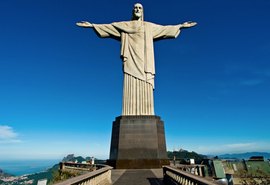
[
  {"x": 84, "y": 24},
  {"x": 103, "y": 30}
]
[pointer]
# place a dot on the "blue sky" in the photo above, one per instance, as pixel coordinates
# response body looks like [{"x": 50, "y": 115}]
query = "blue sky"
[{"x": 61, "y": 85}]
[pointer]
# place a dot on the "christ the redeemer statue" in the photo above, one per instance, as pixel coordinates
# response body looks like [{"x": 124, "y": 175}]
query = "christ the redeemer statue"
[{"x": 137, "y": 52}]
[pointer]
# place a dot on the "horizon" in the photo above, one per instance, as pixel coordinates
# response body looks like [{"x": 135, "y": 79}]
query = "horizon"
[
  {"x": 61, "y": 85},
  {"x": 60, "y": 159},
  {"x": 85, "y": 156}
]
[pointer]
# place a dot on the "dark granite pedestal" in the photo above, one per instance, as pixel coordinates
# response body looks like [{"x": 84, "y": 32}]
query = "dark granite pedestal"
[{"x": 138, "y": 142}]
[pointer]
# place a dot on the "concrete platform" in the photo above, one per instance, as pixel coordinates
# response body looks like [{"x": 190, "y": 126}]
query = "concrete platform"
[
  {"x": 137, "y": 177},
  {"x": 138, "y": 142}
]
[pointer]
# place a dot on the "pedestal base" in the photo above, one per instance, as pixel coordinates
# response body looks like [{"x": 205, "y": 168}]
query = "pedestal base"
[{"x": 138, "y": 142}]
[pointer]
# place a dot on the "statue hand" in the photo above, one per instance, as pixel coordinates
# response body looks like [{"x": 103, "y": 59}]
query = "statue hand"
[
  {"x": 188, "y": 24},
  {"x": 84, "y": 24}
]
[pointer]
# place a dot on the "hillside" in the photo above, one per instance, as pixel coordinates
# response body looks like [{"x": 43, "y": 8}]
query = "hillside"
[
  {"x": 184, "y": 154},
  {"x": 6, "y": 179}
]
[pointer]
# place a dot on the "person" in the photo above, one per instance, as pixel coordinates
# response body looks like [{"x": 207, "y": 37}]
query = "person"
[{"x": 137, "y": 53}]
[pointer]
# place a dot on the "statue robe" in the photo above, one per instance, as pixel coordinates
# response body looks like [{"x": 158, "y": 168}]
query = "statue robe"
[{"x": 137, "y": 53}]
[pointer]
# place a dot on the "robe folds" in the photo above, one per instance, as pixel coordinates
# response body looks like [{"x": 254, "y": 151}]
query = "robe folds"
[{"x": 137, "y": 53}]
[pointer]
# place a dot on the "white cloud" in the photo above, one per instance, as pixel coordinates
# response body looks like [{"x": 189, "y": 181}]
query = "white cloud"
[
  {"x": 7, "y": 132},
  {"x": 8, "y": 135}
]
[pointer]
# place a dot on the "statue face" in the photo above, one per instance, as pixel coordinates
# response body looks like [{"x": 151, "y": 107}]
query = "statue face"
[{"x": 138, "y": 11}]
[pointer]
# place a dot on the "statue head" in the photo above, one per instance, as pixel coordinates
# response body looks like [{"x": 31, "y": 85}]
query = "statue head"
[{"x": 137, "y": 13}]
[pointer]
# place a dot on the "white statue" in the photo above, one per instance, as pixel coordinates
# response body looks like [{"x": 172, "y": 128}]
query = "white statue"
[{"x": 137, "y": 53}]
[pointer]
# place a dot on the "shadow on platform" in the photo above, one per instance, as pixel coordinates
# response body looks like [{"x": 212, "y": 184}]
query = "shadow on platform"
[{"x": 137, "y": 177}]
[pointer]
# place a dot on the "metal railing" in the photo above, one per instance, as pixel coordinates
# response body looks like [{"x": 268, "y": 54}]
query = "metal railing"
[
  {"x": 180, "y": 177},
  {"x": 97, "y": 177}
]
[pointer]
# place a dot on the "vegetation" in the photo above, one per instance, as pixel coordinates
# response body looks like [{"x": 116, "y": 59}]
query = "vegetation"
[
  {"x": 258, "y": 178},
  {"x": 184, "y": 154},
  {"x": 52, "y": 174},
  {"x": 58, "y": 176},
  {"x": 43, "y": 175}
]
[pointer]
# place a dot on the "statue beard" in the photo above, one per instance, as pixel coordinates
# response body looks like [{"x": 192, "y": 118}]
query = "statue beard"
[{"x": 137, "y": 16}]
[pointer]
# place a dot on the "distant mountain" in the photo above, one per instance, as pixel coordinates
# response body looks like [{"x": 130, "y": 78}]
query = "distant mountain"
[
  {"x": 244, "y": 155},
  {"x": 73, "y": 158},
  {"x": 79, "y": 159},
  {"x": 184, "y": 154}
]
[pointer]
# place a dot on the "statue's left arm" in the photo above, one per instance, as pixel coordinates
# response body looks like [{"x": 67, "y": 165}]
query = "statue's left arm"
[
  {"x": 188, "y": 24},
  {"x": 170, "y": 31}
]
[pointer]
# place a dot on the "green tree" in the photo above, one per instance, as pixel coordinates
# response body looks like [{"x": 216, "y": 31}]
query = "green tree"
[{"x": 58, "y": 176}]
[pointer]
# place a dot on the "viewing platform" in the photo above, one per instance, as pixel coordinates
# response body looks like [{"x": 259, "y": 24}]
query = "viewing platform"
[
  {"x": 137, "y": 177},
  {"x": 106, "y": 175}
]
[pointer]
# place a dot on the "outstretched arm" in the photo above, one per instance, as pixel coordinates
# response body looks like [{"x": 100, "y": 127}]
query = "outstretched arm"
[
  {"x": 187, "y": 24},
  {"x": 84, "y": 24},
  {"x": 103, "y": 30}
]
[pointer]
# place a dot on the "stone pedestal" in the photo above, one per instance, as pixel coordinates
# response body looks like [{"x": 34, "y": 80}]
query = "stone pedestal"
[{"x": 138, "y": 142}]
